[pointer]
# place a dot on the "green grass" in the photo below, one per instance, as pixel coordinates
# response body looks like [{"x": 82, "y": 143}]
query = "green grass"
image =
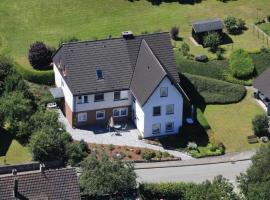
[
  {"x": 265, "y": 27},
  {"x": 232, "y": 123},
  {"x": 23, "y": 22}
]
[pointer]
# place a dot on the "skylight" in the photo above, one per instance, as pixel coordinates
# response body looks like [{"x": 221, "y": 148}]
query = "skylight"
[{"x": 99, "y": 74}]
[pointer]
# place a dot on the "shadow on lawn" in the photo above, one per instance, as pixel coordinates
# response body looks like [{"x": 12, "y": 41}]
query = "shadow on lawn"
[
  {"x": 158, "y": 2},
  {"x": 5, "y": 141}
]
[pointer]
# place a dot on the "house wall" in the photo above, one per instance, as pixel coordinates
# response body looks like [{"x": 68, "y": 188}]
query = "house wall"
[
  {"x": 108, "y": 102},
  {"x": 60, "y": 82},
  {"x": 174, "y": 97},
  {"x": 138, "y": 117}
]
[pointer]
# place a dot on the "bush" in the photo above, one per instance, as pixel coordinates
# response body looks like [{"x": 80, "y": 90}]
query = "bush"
[
  {"x": 111, "y": 147},
  {"x": 260, "y": 125},
  {"x": 215, "y": 91},
  {"x": 201, "y": 58},
  {"x": 40, "y": 56},
  {"x": 234, "y": 25},
  {"x": 212, "y": 40},
  {"x": 148, "y": 155},
  {"x": 202, "y": 120},
  {"x": 241, "y": 64},
  {"x": 174, "y": 32},
  {"x": 6, "y": 68},
  {"x": 185, "y": 49},
  {"x": 261, "y": 60},
  {"x": 192, "y": 146},
  {"x": 75, "y": 154}
]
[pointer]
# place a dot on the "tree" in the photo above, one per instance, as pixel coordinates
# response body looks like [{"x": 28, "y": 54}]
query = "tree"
[
  {"x": 254, "y": 183},
  {"x": 6, "y": 68},
  {"x": 67, "y": 40},
  {"x": 103, "y": 176},
  {"x": 260, "y": 124},
  {"x": 212, "y": 40},
  {"x": 75, "y": 153},
  {"x": 40, "y": 56},
  {"x": 241, "y": 64},
  {"x": 174, "y": 32},
  {"x": 185, "y": 49},
  {"x": 234, "y": 25}
]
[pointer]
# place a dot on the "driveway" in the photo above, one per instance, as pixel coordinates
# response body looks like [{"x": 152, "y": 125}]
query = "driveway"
[{"x": 128, "y": 137}]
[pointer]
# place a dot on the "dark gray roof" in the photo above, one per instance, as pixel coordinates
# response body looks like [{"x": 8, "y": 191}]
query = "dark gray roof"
[
  {"x": 262, "y": 83},
  {"x": 207, "y": 25},
  {"x": 115, "y": 57},
  {"x": 57, "y": 92},
  {"x": 51, "y": 184}
]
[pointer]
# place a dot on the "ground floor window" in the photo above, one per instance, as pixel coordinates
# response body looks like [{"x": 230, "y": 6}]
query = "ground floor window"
[
  {"x": 169, "y": 126},
  {"x": 100, "y": 114},
  {"x": 120, "y": 112},
  {"x": 82, "y": 117},
  {"x": 156, "y": 128}
]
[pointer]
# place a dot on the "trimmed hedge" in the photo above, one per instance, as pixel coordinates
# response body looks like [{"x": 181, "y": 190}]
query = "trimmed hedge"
[
  {"x": 215, "y": 91},
  {"x": 202, "y": 119},
  {"x": 39, "y": 77},
  {"x": 241, "y": 64},
  {"x": 261, "y": 61}
]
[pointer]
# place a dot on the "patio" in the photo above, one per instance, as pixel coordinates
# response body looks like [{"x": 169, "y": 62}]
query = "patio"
[{"x": 127, "y": 137}]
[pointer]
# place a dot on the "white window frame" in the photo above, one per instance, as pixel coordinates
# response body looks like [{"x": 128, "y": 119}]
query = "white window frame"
[
  {"x": 120, "y": 112},
  {"x": 169, "y": 131},
  {"x": 124, "y": 95},
  {"x": 154, "y": 109},
  {"x": 98, "y": 112},
  {"x": 79, "y": 99},
  {"x": 169, "y": 113},
  {"x": 156, "y": 124},
  {"x": 162, "y": 88},
  {"x": 82, "y": 117},
  {"x": 99, "y": 100}
]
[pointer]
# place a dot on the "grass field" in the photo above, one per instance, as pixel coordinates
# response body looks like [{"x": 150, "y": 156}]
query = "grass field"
[
  {"x": 23, "y": 22},
  {"x": 232, "y": 123},
  {"x": 265, "y": 27}
]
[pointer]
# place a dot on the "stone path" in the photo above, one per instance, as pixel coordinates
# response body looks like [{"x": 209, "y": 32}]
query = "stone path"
[{"x": 128, "y": 138}]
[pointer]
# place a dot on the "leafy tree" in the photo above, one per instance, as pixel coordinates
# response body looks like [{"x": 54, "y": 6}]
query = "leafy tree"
[
  {"x": 185, "y": 49},
  {"x": 103, "y": 176},
  {"x": 234, "y": 25},
  {"x": 255, "y": 182},
  {"x": 241, "y": 64},
  {"x": 69, "y": 39},
  {"x": 260, "y": 124},
  {"x": 212, "y": 40},
  {"x": 174, "y": 33},
  {"x": 40, "y": 56},
  {"x": 6, "y": 68},
  {"x": 75, "y": 153}
]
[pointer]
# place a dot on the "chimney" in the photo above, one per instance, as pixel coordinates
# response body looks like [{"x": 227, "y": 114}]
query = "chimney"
[
  {"x": 14, "y": 172},
  {"x": 41, "y": 167},
  {"x": 15, "y": 188},
  {"x": 127, "y": 35}
]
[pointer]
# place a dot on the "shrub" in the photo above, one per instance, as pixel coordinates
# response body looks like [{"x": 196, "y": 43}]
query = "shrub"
[
  {"x": 138, "y": 151},
  {"x": 185, "y": 49},
  {"x": 202, "y": 120},
  {"x": 241, "y": 64},
  {"x": 234, "y": 25},
  {"x": 212, "y": 40},
  {"x": 201, "y": 58},
  {"x": 148, "y": 155},
  {"x": 261, "y": 60},
  {"x": 260, "y": 125},
  {"x": 111, "y": 147},
  {"x": 192, "y": 146},
  {"x": 165, "y": 154},
  {"x": 174, "y": 32},
  {"x": 75, "y": 154},
  {"x": 40, "y": 56},
  {"x": 159, "y": 155}
]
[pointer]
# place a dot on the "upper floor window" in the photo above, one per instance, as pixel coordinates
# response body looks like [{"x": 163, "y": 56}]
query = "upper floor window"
[
  {"x": 117, "y": 95},
  {"x": 82, "y": 99},
  {"x": 156, "y": 111},
  {"x": 85, "y": 99},
  {"x": 120, "y": 95},
  {"x": 99, "y": 74},
  {"x": 169, "y": 109},
  {"x": 79, "y": 99},
  {"x": 99, "y": 97},
  {"x": 163, "y": 91}
]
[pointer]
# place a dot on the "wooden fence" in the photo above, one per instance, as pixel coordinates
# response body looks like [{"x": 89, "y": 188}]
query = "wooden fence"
[{"x": 261, "y": 34}]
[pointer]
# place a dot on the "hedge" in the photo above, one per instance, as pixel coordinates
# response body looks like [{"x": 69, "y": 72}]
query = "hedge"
[
  {"x": 261, "y": 61},
  {"x": 202, "y": 120},
  {"x": 216, "y": 91},
  {"x": 39, "y": 77}
]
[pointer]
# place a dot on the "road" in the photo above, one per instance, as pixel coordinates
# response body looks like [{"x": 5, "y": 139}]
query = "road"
[{"x": 195, "y": 174}]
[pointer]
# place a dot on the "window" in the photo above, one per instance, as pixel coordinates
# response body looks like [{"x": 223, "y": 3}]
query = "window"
[
  {"x": 156, "y": 111},
  {"x": 79, "y": 99},
  {"x": 120, "y": 112},
  {"x": 163, "y": 92},
  {"x": 169, "y": 109},
  {"x": 120, "y": 95},
  {"x": 100, "y": 114},
  {"x": 85, "y": 99},
  {"x": 99, "y": 97},
  {"x": 82, "y": 117},
  {"x": 124, "y": 95},
  {"x": 156, "y": 128},
  {"x": 169, "y": 127},
  {"x": 117, "y": 95},
  {"x": 99, "y": 74}
]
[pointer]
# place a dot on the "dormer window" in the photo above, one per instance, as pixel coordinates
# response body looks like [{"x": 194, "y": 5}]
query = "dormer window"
[{"x": 99, "y": 74}]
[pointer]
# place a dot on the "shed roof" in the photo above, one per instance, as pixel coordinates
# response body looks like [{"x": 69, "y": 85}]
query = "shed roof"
[
  {"x": 262, "y": 83},
  {"x": 207, "y": 25}
]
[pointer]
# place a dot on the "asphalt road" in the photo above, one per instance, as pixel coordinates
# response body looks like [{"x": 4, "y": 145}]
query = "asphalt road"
[{"x": 195, "y": 174}]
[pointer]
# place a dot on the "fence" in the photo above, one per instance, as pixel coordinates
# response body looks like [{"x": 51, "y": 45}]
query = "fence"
[{"x": 261, "y": 34}]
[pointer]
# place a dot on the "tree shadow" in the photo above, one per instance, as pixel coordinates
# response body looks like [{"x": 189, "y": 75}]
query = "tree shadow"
[
  {"x": 158, "y": 2},
  {"x": 226, "y": 39},
  {"x": 5, "y": 141}
]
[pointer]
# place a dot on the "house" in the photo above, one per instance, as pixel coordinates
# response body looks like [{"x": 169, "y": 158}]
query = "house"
[
  {"x": 262, "y": 84},
  {"x": 203, "y": 27},
  {"x": 57, "y": 184},
  {"x": 127, "y": 78}
]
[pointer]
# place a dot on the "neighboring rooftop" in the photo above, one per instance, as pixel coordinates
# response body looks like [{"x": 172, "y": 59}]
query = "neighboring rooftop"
[
  {"x": 115, "y": 57},
  {"x": 59, "y": 184},
  {"x": 262, "y": 83},
  {"x": 207, "y": 25}
]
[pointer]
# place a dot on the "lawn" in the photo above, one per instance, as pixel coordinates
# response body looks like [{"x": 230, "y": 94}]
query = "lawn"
[
  {"x": 232, "y": 123},
  {"x": 23, "y": 22},
  {"x": 265, "y": 27}
]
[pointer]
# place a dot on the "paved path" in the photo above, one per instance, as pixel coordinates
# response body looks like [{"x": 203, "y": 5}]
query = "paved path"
[
  {"x": 127, "y": 138},
  {"x": 197, "y": 174}
]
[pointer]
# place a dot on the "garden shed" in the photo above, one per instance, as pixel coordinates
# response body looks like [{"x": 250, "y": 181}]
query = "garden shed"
[{"x": 203, "y": 27}]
